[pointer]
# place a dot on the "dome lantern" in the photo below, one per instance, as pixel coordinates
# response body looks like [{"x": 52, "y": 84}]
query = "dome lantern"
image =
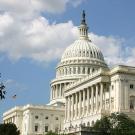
[{"x": 83, "y": 29}]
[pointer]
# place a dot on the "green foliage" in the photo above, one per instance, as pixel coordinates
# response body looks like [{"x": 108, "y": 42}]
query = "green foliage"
[
  {"x": 9, "y": 129},
  {"x": 116, "y": 124},
  {"x": 2, "y": 91},
  {"x": 51, "y": 133},
  {"x": 103, "y": 125}
]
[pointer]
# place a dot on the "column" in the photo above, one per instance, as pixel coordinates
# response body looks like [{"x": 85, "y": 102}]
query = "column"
[
  {"x": 72, "y": 111},
  {"x": 126, "y": 98},
  {"x": 86, "y": 70},
  {"x": 109, "y": 87},
  {"x": 76, "y": 105},
  {"x": 101, "y": 96},
  {"x": 76, "y": 70},
  {"x": 88, "y": 100},
  {"x": 117, "y": 95},
  {"x": 81, "y": 70},
  {"x": 92, "y": 99},
  {"x": 105, "y": 97},
  {"x": 66, "y": 108},
  {"x": 84, "y": 102},
  {"x": 64, "y": 86},
  {"x": 60, "y": 90},
  {"x": 69, "y": 108},
  {"x": 56, "y": 91},
  {"x": 80, "y": 102},
  {"x": 30, "y": 122},
  {"x": 96, "y": 97},
  {"x": 51, "y": 92}
]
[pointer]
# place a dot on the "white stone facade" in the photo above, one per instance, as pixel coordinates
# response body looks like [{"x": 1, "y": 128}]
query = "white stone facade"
[
  {"x": 33, "y": 120},
  {"x": 84, "y": 90},
  {"x": 99, "y": 94}
]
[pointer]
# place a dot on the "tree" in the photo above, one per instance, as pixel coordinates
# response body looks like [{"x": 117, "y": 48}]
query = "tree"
[
  {"x": 9, "y": 129},
  {"x": 51, "y": 133},
  {"x": 115, "y": 124},
  {"x": 122, "y": 124},
  {"x": 102, "y": 126},
  {"x": 2, "y": 90}
]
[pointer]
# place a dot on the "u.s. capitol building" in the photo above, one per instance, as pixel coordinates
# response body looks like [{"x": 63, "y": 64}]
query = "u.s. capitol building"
[{"x": 84, "y": 90}]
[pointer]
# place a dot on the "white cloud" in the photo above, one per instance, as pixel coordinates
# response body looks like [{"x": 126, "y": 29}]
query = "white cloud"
[
  {"x": 24, "y": 33},
  {"x": 5, "y": 21},
  {"x": 36, "y": 39},
  {"x": 115, "y": 49},
  {"x": 29, "y": 7}
]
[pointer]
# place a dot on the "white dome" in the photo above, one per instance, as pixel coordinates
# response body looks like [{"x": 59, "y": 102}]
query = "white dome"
[{"x": 82, "y": 49}]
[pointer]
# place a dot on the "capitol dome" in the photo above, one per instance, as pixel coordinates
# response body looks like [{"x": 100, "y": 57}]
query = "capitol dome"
[
  {"x": 82, "y": 49},
  {"x": 79, "y": 60}
]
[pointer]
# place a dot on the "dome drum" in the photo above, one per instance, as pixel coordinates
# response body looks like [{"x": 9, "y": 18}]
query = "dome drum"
[{"x": 76, "y": 70}]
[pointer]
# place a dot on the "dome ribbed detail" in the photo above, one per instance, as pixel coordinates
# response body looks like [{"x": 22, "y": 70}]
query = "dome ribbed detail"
[{"x": 82, "y": 49}]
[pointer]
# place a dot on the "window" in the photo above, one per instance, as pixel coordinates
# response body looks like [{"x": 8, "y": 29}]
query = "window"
[
  {"x": 36, "y": 117},
  {"x": 112, "y": 87},
  {"x": 132, "y": 102},
  {"x": 36, "y": 128},
  {"x": 46, "y": 117},
  {"x": 46, "y": 128},
  {"x": 57, "y": 118},
  {"x": 131, "y": 86}
]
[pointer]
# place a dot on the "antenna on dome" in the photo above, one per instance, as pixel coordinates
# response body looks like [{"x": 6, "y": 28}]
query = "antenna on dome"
[{"x": 83, "y": 18}]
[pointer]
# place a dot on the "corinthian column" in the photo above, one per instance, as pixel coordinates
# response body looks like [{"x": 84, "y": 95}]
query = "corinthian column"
[
  {"x": 92, "y": 99},
  {"x": 69, "y": 108},
  {"x": 88, "y": 100},
  {"x": 66, "y": 105},
  {"x": 101, "y": 96},
  {"x": 84, "y": 101},
  {"x": 72, "y": 115},
  {"x": 96, "y": 97},
  {"x": 80, "y": 103},
  {"x": 76, "y": 105}
]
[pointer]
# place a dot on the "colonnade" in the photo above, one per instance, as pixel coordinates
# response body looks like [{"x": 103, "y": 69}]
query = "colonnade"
[
  {"x": 87, "y": 101},
  {"x": 75, "y": 70},
  {"x": 10, "y": 120},
  {"x": 57, "y": 90}
]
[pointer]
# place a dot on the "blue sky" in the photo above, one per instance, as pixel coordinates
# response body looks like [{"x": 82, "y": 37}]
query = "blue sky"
[{"x": 33, "y": 36}]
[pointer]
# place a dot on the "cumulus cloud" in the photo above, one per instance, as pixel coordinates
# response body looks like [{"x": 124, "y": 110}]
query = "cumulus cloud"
[
  {"x": 115, "y": 49},
  {"x": 25, "y": 33},
  {"x": 36, "y": 39},
  {"x": 36, "y": 6}
]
